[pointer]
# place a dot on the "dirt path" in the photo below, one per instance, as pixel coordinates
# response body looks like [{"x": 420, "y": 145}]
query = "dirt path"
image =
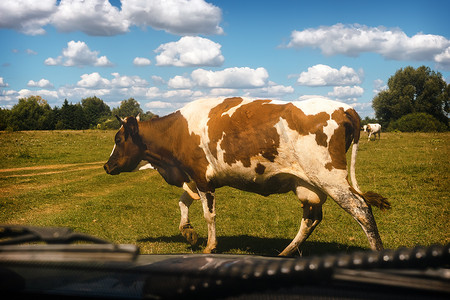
[{"x": 50, "y": 169}]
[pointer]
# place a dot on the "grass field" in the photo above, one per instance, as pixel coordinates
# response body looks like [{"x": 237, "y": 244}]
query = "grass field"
[{"x": 55, "y": 178}]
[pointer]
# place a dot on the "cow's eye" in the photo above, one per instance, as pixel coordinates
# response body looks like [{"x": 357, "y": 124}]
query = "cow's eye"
[{"x": 118, "y": 141}]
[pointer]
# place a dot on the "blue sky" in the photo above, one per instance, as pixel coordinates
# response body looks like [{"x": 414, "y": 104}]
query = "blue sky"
[{"x": 167, "y": 53}]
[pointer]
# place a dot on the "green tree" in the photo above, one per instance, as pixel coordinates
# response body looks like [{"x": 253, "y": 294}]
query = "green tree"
[
  {"x": 32, "y": 113},
  {"x": 95, "y": 111},
  {"x": 4, "y": 118},
  {"x": 71, "y": 116},
  {"x": 128, "y": 108},
  {"x": 412, "y": 91}
]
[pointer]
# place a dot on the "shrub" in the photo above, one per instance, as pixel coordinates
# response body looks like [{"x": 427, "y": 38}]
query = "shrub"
[{"x": 418, "y": 122}]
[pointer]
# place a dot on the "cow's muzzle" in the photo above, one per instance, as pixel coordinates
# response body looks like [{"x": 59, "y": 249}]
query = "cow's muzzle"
[{"x": 109, "y": 170}]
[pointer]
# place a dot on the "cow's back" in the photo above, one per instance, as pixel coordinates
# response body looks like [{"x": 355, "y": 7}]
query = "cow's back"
[{"x": 257, "y": 145}]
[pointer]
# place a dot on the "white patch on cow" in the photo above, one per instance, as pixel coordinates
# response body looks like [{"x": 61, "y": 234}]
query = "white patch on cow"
[
  {"x": 196, "y": 113},
  {"x": 192, "y": 194},
  {"x": 316, "y": 105},
  {"x": 143, "y": 165},
  {"x": 114, "y": 148}
]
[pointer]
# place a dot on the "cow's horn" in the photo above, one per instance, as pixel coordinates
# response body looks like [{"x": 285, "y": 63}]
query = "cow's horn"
[{"x": 122, "y": 121}]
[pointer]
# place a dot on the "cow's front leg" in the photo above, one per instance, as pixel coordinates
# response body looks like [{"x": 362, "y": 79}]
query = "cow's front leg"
[
  {"x": 185, "y": 226},
  {"x": 209, "y": 212}
]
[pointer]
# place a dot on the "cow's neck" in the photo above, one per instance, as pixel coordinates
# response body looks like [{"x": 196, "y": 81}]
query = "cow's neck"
[{"x": 161, "y": 135}]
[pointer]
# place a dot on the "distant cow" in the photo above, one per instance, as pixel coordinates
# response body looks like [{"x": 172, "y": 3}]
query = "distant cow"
[
  {"x": 374, "y": 128},
  {"x": 261, "y": 146}
]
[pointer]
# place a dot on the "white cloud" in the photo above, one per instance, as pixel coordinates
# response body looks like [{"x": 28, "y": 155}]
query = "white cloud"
[
  {"x": 346, "y": 92},
  {"x": 43, "y": 83},
  {"x": 352, "y": 40},
  {"x": 100, "y": 18},
  {"x": 272, "y": 90},
  {"x": 223, "y": 92},
  {"x": 182, "y": 17},
  {"x": 189, "y": 51},
  {"x": 180, "y": 82},
  {"x": 94, "y": 17},
  {"x": 46, "y": 94},
  {"x": 93, "y": 80},
  {"x": 141, "y": 61},
  {"x": 79, "y": 92},
  {"x": 158, "y": 80},
  {"x": 127, "y": 81},
  {"x": 153, "y": 92},
  {"x": 378, "y": 86},
  {"x": 230, "y": 78},
  {"x": 26, "y": 16},
  {"x": 323, "y": 75},
  {"x": 307, "y": 97},
  {"x": 31, "y": 52},
  {"x": 183, "y": 94},
  {"x": 78, "y": 54},
  {"x": 443, "y": 59},
  {"x": 2, "y": 82},
  {"x": 7, "y": 96},
  {"x": 159, "y": 104}
]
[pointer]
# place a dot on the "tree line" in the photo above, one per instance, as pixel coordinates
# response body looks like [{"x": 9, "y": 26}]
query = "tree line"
[
  {"x": 415, "y": 100},
  {"x": 34, "y": 113}
]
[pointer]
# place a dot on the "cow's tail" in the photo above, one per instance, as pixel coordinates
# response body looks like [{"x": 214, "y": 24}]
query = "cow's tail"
[{"x": 370, "y": 197}]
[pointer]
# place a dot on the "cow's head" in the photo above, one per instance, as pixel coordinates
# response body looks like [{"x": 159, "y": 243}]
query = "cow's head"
[{"x": 128, "y": 148}]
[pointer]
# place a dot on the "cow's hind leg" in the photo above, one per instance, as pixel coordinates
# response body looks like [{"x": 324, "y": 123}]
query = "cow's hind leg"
[
  {"x": 185, "y": 226},
  {"x": 357, "y": 207},
  {"x": 312, "y": 215},
  {"x": 209, "y": 212}
]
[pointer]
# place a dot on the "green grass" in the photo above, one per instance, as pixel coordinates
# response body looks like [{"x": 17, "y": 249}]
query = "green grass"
[{"x": 55, "y": 178}]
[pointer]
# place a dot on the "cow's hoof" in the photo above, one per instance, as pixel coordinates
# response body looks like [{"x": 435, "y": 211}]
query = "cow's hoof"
[
  {"x": 209, "y": 250},
  {"x": 190, "y": 235}
]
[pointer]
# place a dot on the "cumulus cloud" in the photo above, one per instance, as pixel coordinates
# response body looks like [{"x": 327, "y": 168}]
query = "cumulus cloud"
[
  {"x": 378, "y": 86},
  {"x": 93, "y": 80},
  {"x": 352, "y": 40},
  {"x": 272, "y": 90},
  {"x": 323, "y": 75},
  {"x": 230, "y": 78},
  {"x": 182, "y": 17},
  {"x": 308, "y": 97},
  {"x": 347, "y": 92},
  {"x": 43, "y": 83},
  {"x": 190, "y": 51},
  {"x": 159, "y": 104},
  {"x": 94, "y": 17},
  {"x": 127, "y": 81},
  {"x": 46, "y": 94},
  {"x": 141, "y": 61},
  {"x": 26, "y": 16},
  {"x": 78, "y": 54},
  {"x": 2, "y": 82},
  {"x": 100, "y": 18},
  {"x": 30, "y": 52},
  {"x": 158, "y": 80},
  {"x": 443, "y": 59},
  {"x": 180, "y": 82}
]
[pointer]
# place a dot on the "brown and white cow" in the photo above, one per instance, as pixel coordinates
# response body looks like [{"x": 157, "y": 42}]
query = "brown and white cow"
[
  {"x": 260, "y": 146},
  {"x": 374, "y": 129}
]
